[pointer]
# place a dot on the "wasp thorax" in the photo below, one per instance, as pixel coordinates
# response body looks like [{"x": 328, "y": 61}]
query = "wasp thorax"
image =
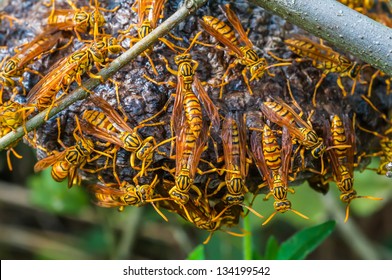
[
  {"x": 184, "y": 182},
  {"x": 257, "y": 70},
  {"x": 131, "y": 141},
  {"x": 85, "y": 146},
  {"x": 144, "y": 30},
  {"x": 346, "y": 185}
]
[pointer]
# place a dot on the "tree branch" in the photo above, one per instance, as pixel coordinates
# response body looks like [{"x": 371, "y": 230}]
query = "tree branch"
[
  {"x": 80, "y": 93},
  {"x": 343, "y": 27}
]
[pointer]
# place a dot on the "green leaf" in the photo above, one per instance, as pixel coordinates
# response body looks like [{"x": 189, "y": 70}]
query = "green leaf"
[
  {"x": 197, "y": 253},
  {"x": 56, "y": 197},
  {"x": 304, "y": 242},
  {"x": 272, "y": 248}
]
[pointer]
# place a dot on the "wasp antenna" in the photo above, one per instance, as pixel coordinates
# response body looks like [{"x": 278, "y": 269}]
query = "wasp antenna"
[
  {"x": 159, "y": 212},
  {"x": 187, "y": 213},
  {"x": 243, "y": 234},
  {"x": 253, "y": 211},
  {"x": 193, "y": 42},
  {"x": 208, "y": 238},
  {"x": 300, "y": 214},
  {"x": 347, "y": 212},
  {"x": 269, "y": 218},
  {"x": 221, "y": 213},
  {"x": 369, "y": 197}
]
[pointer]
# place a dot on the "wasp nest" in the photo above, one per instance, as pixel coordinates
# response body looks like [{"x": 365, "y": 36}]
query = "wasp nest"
[{"x": 210, "y": 116}]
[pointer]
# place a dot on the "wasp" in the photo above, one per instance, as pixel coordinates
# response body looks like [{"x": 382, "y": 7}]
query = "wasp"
[
  {"x": 188, "y": 152},
  {"x": 148, "y": 13},
  {"x": 66, "y": 163},
  {"x": 282, "y": 114},
  {"x": 234, "y": 150},
  {"x": 126, "y": 194},
  {"x": 15, "y": 66},
  {"x": 236, "y": 165},
  {"x": 187, "y": 102},
  {"x": 11, "y": 117},
  {"x": 385, "y": 142},
  {"x": 109, "y": 126},
  {"x": 245, "y": 54},
  {"x": 215, "y": 218},
  {"x": 342, "y": 160},
  {"x": 277, "y": 180},
  {"x": 325, "y": 59},
  {"x": 208, "y": 218},
  {"x": 67, "y": 70},
  {"x": 81, "y": 20},
  {"x": 10, "y": 149}
]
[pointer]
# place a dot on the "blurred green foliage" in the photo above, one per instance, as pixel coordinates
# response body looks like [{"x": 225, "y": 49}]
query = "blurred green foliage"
[
  {"x": 297, "y": 247},
  {"x": 55, "y": 197},
  {"x": 101, "y": 239}
]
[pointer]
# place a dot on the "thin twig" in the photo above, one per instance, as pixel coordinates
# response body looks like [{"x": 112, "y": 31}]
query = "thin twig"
[{"x": 80, "y": 93}]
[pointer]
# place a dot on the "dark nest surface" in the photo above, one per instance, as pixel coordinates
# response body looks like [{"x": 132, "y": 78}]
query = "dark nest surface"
[{"x": 141, "y": 99}]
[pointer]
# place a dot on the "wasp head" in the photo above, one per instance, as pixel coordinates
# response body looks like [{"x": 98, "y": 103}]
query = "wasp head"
[
  {"x": 348, "y": 196},
  {"x": 231, "y": 199},
  {"x": 257, "y": 70},
  {"x": 282, "y": 205},
  {"x": 181, "y": 58},
  {"x": 354, "y": 71},
  {"x": 179, "y": 197},
  {"x": 319, "y": 149}
]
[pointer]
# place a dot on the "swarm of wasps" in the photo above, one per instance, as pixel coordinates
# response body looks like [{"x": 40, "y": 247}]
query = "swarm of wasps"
[{"x": 193, "y": 155}]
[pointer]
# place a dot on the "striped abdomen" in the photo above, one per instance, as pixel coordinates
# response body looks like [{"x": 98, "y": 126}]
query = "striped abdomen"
[
  {"x": 286, "y": 117},
  {"x": 338, "y": 135},
  {"x": 60, "y": 170},
  {"x": 303, "y": 48},
  {"x": 221, "y": 27},
  {"x": 271, "y": 149},
  {"x": 98, "y": 119},
  {"x": 193, "y": 112}
]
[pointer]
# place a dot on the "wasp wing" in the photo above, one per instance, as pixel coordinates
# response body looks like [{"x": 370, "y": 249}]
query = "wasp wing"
[
  {"x": 235, "y": 21},
  {"x": 51, "y": 81},
  {"x": 117, "y": 121},
  {"x": 222, "y": 39},
  {"x": 50, "y": 160},
  {"x": 258, "y": 156},
  {"x": 287, "y": 149},
  {"x": 157, "y": 11},
  {"x": 209, "y": 106}
]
